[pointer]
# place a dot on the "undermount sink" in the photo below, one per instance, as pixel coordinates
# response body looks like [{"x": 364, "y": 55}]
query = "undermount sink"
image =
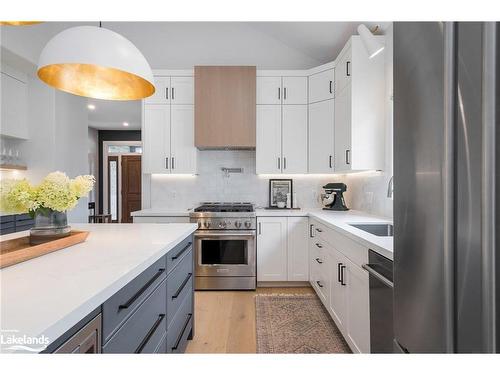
[{"x": 381, "y": 230}]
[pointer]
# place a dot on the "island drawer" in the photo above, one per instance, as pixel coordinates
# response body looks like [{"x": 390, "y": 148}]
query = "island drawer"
[
  {"x": 178, "y": 332},
  {"x": 175, "y": 255},
  {"x": 179, "y": 285},
  {"x": 124, "y": 302},
  {"x": 162, "y": 347},
  {"x": 144, "y": 330}
]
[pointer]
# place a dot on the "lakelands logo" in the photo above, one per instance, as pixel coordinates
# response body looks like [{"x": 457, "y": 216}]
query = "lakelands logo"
[{"x": 12, "y": 341}]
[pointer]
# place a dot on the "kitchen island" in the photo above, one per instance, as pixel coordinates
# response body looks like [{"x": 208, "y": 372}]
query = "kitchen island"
[{"x": 49, "y": 295}]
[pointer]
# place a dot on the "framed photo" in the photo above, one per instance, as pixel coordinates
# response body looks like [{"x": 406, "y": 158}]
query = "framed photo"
[{"x": 278, "y": 189}]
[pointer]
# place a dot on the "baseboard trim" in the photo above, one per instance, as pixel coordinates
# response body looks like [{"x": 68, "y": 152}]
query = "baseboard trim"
[{"x": 282, "y": 284}]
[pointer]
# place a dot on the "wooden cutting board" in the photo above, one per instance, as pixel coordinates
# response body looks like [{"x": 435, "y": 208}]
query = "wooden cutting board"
[{"x": 19, "y": 249}]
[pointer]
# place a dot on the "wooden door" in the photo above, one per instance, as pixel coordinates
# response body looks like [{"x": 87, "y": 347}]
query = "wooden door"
[
  {"x": 268, "y": 152},
  {"x": 321, "y": 137},
  {"x": 294, "y": 90},
  {"x": 294, "y": 139},
  {"x": 272, "y": 249},
  {"x": 131, "y": 186}
]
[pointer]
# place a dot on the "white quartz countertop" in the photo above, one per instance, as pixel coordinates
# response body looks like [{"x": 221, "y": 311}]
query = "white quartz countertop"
[
  {"x": 48, "y": 295},
  {"x": 162, "y": 212}
]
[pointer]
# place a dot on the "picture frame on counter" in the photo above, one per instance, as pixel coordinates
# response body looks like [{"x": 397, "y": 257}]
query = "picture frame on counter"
[{"x": 278, "y": 190}]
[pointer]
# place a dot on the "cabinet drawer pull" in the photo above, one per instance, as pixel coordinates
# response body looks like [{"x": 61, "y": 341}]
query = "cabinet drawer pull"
[
  {"x": 279, "y": 164},
  {"x": 339, "y": 278},
  {"x": 319, "y": 230},
  {"x": 132, "y": 299},
  {"x": 176, "y": 256},
  {"x": 173, "y": 165},
  {"x": 348, "y": 156},
  {"x": 330, "y": 88},
  {"x": 347, "y": 66},
  {"x": 279, "y": 93},
  {"x": 166, "y": 163},
  {"x": 330, "y": 160},
  {"x": 311, "y": 231},
  {"x": 181, "y": 287},
  {"x": 284, "y": 163},
  {"x": 342, "y": 268},
  {"x": 172, "y": 93},
  {"x": 178, "y": 341},
  {"x": 284, "y": 93},
  {"x": 319, "y": 245},
  {"x": 150, "y": 333},
  {"x": 319, "y": 261},
  {"x": 319, "y": 284},
  {"x": 166, "y": 93}
]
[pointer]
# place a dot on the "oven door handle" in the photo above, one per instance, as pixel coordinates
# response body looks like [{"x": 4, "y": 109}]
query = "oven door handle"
[{"x": 224, "y": 233}]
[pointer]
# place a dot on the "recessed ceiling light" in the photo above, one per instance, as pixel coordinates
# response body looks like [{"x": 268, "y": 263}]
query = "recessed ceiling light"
[
  {"x": 125, "y": 124},
  {"x": 91, "y": 107}
]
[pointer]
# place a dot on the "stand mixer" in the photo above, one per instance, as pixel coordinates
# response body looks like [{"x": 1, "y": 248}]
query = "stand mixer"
[{"x": 333, "y": 197}]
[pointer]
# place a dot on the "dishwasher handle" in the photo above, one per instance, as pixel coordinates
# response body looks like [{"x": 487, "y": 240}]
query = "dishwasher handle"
[{"x": 378, "y": 276}]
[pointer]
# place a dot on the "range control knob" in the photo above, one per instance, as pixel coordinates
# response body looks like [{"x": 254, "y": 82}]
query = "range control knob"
[
  {"x": 237, "y": 224},
  {"x": 207, "y": 224},
  {"x": 248, "y": 224}
]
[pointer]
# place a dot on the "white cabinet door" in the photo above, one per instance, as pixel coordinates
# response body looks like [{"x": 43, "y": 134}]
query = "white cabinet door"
[
  {"x": 13, "y": 107},
  {"x": 183, "y": 151},
  {"x": 182, "y": 90},
  {"x": 298, "y": 254},
  {"x": 294, "y": 90},
  {"x": 156, "y": 138},
  {"x": 272, "y": 249},
  {"x": 321, "y": 86},
  {"x": 321, "y": 137},
  {"x": 268, "y": 147},
  {"x": 343, "y": 118},
  {"x": 337, "y": 307},
  {"x": 343, "y": 71},
  {"x": 162, "y": 91},
  {"x": 269, "y": 90},
  {"x": 294, "y": 133},
  {"x": 358, "y": 308}
]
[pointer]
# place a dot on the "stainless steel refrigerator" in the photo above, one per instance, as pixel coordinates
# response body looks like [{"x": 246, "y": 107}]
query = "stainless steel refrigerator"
[{"x": 446, "y": 180}]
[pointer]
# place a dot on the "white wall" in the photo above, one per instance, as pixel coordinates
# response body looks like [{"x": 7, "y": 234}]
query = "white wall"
[{"x": 57, "y": 125}]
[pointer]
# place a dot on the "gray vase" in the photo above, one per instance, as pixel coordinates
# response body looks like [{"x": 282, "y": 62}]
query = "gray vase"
[{"x": 50, "y": 225}]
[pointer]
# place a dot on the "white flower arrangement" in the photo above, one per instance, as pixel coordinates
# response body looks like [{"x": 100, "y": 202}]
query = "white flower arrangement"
[{"x": 56, "y": 192}]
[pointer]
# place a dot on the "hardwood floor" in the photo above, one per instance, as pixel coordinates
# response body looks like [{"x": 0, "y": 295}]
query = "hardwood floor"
[{"x": 225, "y": 320}]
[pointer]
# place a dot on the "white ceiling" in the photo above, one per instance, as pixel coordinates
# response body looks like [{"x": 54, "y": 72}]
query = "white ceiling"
[{"x": 182, "y": 45}]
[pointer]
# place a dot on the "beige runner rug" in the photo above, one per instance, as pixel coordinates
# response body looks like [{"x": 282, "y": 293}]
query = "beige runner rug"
[{"x": 296, "y": 324}]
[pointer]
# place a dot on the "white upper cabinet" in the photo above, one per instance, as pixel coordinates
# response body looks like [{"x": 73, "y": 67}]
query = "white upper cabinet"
[
  {"x": 359, "y": 109},
  {"x": 162, "y": 91},
  {"x": 294, "y": 90},
  {"x": 268, "y": 150},
  {"x": 272, "y": 249},
  {"x": 168, "y": 128},
  {"x": 268, "y": 90},
  {"x": 281, "y": 90},
  {"x": 13, "y": 107},
  {"x": 321, "y": 86},
  {"x": 156, "y": 135},
  {"x": 294, "y": 139},
  {"x": 182, "y": 90},
  {"x": 321, "y": 137},
  {"x": 183, "y": 153}
]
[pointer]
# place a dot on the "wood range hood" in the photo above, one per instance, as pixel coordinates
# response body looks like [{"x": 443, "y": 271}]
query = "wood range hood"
[{"x": 225, "y": 103}]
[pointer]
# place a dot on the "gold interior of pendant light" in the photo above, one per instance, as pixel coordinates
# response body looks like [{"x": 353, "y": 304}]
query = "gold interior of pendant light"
[
  {"x": 19, "y": 23},
  {"x": 96, "y": 81}
]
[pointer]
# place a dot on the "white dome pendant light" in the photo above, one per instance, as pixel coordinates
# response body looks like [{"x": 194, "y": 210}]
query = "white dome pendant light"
[
  {"x": 372, "y": 45},
  {"x": 97, "y": 63}
]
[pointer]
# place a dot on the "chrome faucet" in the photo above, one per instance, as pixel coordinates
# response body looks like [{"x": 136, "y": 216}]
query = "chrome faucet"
[{"x": 390, "y": 187}]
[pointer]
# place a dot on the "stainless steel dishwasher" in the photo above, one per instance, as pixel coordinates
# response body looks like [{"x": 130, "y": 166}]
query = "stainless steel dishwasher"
[{"x": 381, "y": 303}]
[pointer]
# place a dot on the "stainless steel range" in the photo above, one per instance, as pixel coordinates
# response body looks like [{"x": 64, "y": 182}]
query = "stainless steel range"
[{"x": 225, "y": 246}]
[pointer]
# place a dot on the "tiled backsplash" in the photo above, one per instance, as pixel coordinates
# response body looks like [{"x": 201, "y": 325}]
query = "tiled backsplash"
[{"x": 366, "y": 192}]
